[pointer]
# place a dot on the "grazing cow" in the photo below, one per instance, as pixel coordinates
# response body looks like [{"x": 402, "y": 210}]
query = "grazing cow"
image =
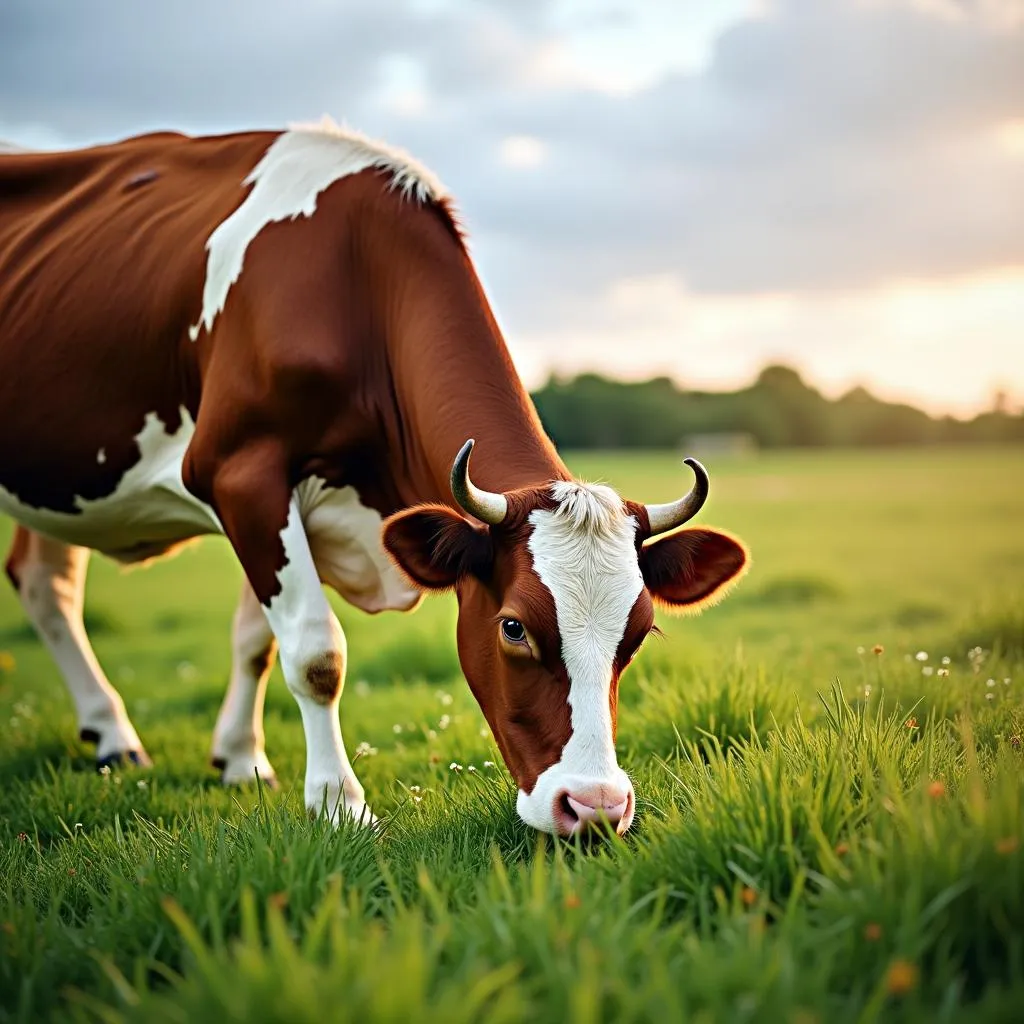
[{"x": 280, "y": 337}]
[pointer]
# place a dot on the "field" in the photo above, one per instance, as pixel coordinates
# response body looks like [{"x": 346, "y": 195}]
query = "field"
[{"x": 824, "y": 833}]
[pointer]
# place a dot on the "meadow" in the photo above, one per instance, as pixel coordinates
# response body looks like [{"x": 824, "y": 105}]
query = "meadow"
[{"x": 828, "y": 769}]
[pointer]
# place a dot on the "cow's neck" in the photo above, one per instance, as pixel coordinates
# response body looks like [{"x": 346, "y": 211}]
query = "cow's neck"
[{"x": 454, "y": 380}]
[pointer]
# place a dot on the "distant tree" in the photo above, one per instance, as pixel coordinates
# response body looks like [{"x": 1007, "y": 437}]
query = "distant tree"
[{"x": 778, "y": 410}]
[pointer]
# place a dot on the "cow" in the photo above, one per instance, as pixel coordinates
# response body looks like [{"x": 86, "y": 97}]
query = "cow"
[{"x": 280, "y": 337}]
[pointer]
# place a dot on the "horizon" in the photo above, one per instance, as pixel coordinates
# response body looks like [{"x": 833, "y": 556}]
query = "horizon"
[
  {"x": 647, "y": 192},
  {"x": 1003, "y": 399}
]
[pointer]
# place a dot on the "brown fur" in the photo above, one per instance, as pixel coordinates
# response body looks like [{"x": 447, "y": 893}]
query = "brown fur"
[
  {"x": 16, "y": 555},
  {"x": 260, "y": 663},
  {"x": 690, "y": 569},
  {"x": 324, "y": 675}
]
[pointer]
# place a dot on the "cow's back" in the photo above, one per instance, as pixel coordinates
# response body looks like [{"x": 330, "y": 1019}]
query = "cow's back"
[{"x": 101, "y": 273}]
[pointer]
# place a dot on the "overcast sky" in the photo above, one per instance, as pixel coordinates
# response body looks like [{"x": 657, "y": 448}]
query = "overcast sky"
[{"x": 690, "y": 187}]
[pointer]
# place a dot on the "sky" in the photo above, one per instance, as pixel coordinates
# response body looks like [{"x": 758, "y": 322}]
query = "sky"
[{"x": 691, "y": 188}]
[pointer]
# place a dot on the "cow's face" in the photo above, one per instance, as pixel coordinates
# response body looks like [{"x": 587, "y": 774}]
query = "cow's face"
[{"x": 555, "y": 600}]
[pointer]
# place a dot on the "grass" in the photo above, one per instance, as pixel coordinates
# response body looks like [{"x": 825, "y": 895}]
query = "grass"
[{"x": 823, "y": 833}]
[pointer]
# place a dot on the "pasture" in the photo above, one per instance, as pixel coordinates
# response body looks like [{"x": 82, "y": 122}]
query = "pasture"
[{"x": 824, "y": 833}]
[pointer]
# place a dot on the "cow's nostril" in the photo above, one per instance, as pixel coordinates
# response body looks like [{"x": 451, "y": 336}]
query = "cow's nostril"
[{"x": 565, "y": 806}]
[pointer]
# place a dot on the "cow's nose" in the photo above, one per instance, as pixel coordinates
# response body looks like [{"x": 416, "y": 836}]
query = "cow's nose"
[{"x": 585, "y": 809}]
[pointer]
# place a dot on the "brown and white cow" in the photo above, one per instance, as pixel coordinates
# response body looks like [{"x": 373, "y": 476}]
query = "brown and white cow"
[{"x": 280, "y": 337}]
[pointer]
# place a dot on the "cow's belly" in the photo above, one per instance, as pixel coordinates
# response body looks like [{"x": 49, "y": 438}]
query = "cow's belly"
[
  {"x": 345, "y": 538},
  {"x": 148, "y": 513}
]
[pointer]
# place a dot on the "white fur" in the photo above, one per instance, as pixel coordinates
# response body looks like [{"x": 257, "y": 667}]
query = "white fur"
[
  {"x": 306, "y": 629},
  {"x": 584, "y": 553},
  {"x": 149, "y": 510},
  {"x": 344, "y": 536},
  {"x": 300, "y": 164}
]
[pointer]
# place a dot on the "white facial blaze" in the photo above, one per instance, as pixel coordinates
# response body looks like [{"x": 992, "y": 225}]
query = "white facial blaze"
[
  {"x": 584, "y": 553},
  {"x": 299, "y": 165}
]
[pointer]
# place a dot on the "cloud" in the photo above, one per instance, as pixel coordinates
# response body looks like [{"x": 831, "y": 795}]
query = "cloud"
[{"x": 820, "y": 147}]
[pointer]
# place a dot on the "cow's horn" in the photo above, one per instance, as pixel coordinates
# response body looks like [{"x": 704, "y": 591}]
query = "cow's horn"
[
  {"x": 675, "y": 513},
  {"x": 485, "y": 505}
]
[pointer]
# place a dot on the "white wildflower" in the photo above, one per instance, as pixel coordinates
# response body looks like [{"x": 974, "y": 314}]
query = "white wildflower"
[{"x": 921, "y": 655}]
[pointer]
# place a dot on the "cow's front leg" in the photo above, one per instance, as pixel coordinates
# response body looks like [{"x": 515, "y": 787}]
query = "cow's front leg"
[{"x": 277, "y": 560}]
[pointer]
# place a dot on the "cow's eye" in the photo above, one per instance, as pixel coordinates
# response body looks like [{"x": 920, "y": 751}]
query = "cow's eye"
[{"x": 513, "y": 631}]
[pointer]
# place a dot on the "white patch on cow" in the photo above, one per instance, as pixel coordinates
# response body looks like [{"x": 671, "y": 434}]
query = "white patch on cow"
[
  {"x": 101, "y": 456},
  {"x": 345, "y": 538},
  {"x": 584, "y": 553},
  {"x": 300, "y": 164},
  {"x": 148, "y": 512}
]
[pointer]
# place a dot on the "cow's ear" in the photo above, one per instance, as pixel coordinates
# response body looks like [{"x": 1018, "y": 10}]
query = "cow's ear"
[
  {"x": 435, "y": 546},
  {"x": 688, "y": 570}
]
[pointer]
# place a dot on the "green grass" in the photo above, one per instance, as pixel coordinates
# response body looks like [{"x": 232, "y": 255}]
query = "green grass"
[{"x": 823, "y": 833}]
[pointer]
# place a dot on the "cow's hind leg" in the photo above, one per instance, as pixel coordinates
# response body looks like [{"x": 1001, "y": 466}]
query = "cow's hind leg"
[
  {"x": 50, "y": 579},
  {"x": 238, "y": 749}
]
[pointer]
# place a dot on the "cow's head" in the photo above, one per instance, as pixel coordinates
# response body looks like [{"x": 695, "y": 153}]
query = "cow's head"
[{"x": 556, "y": 588}]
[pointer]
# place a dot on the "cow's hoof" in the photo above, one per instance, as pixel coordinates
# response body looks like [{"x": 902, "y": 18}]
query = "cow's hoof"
[
  {"x": 360, "y": 813},
  {"x": 242, "y": 771},
  {"x": 138, "y": 758},
  {"x": 128, "y": 750}
]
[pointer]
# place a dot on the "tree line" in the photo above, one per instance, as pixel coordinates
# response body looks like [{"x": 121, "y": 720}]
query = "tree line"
[{"x": 778, "y": 410}]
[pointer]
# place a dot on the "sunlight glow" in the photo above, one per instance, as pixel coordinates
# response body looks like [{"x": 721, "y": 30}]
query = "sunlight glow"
[
  {"x": 945, "y": 346},
  {"x": 522, "y": 151}
]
